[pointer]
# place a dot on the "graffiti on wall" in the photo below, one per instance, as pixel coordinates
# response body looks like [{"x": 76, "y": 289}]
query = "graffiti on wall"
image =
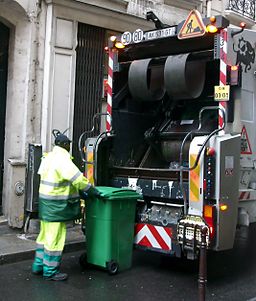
[{"x": 245, "y": 54}]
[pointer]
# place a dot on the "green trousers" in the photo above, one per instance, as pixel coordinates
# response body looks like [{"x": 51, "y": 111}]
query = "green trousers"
[{"x": 50, "y": 244}]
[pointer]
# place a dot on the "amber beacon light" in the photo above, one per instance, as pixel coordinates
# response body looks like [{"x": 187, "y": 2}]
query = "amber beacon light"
[
  {"x": 112, "y": 38},
  {"x": 242, "y": 27},
  {"x": 211, "y": 27},
  {"x": 115, "y": 42},
  {"x": 119, "y": 45}
]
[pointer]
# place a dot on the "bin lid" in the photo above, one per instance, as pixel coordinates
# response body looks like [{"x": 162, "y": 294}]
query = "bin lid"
[{"x": 113, "y": 193}]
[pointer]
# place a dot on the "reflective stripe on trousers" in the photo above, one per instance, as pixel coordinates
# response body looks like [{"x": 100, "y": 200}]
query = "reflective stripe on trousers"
[{"x": 50, "y": 245}]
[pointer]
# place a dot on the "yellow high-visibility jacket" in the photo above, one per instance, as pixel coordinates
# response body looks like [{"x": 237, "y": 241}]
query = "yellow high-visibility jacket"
[{"x": 60, "y": 182}]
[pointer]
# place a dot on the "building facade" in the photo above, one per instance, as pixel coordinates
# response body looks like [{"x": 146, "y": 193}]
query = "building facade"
[{"x": 52, "y": 68}]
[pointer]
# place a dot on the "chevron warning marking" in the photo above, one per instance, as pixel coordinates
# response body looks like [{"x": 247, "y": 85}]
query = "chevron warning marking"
[{"x": 152, "y": 236}]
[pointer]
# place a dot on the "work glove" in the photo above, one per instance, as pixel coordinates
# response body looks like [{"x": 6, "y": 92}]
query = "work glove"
[
  {"x": 83, "y": 195},
  {"x": 93, "y": 192}
]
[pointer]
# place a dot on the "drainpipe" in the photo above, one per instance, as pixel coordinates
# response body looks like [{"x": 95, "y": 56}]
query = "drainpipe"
[{"x": 36, "y": 78}]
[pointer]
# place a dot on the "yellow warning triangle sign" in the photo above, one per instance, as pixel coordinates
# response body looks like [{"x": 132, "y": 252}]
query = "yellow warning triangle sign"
[
  {"x": 193, "y": 26},
  {"x": 245, "y": 143}
]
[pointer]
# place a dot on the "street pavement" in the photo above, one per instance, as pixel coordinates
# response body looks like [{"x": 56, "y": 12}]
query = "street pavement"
[
  {"x": 15, "y": 245},
  {"x": 231, "y": 277}
]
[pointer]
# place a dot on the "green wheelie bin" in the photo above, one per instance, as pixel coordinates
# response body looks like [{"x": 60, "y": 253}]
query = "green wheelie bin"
[{"x": 109, "y": 228}]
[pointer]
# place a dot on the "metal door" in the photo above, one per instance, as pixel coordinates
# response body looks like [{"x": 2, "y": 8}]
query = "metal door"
[
  {"x": 89, "y": 81},
  {"x": 4, "y": 43}
]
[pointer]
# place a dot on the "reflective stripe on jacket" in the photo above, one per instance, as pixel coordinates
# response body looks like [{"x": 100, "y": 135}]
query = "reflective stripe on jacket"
[{"x": 59, "y": 188}]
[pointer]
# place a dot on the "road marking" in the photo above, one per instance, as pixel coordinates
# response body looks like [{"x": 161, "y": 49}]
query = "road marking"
[{"x": 253, "y": 299}]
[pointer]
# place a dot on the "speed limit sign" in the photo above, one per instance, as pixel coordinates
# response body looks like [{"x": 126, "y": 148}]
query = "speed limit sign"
[
  {"x": 137, "y": 36},
  {"x": 126, "y": 38}
]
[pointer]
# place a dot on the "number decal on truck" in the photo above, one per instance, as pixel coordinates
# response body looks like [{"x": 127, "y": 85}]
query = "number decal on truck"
[{"x": 221, "y": 93}]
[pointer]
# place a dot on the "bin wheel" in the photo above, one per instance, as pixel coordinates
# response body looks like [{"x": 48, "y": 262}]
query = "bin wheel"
[
  {"x": 112, "y": 267},
  {"x": 83, "y": 260}
]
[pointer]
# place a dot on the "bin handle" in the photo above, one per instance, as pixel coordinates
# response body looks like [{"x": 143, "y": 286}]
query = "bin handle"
[{"x": 123, "y": 190}]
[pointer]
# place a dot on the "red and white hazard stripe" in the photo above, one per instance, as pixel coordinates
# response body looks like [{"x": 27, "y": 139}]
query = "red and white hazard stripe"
[
  {"x": 244, "y": 195},
  {"x": 109, "y": 91},
  {"x": 223, "y": 70},
  {"x": 151, "y": 236}
]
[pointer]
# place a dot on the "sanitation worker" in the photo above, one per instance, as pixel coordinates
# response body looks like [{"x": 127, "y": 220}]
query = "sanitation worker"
[{"x": 61, "y": 182}]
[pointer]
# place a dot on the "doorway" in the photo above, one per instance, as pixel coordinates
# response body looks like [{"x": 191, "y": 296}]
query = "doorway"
[{"x": 4, "y": 45}]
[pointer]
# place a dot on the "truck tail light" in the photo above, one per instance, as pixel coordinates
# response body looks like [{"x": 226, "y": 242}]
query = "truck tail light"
[
  {"x": 223, "y": 207},
  {"x": 234, "y": 75},
  {"x": 209, "y": 214}
]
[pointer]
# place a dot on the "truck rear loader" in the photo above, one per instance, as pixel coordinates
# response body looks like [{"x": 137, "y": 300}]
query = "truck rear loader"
[{"x": 181, "y": 131}]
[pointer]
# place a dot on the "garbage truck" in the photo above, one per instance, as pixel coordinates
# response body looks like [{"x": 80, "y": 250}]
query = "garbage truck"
[{"x": 181, "y": 125}]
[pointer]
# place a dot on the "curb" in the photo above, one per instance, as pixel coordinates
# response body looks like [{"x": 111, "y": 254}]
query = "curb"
[{"x": 29, "y": 254}]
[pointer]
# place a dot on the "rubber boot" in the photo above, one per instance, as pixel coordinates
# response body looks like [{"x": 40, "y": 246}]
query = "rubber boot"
[{"x": 57, "y": 277}]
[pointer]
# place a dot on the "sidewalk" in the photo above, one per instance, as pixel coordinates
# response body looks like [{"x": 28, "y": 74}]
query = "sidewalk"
[{"x": 16, "y": 246}]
